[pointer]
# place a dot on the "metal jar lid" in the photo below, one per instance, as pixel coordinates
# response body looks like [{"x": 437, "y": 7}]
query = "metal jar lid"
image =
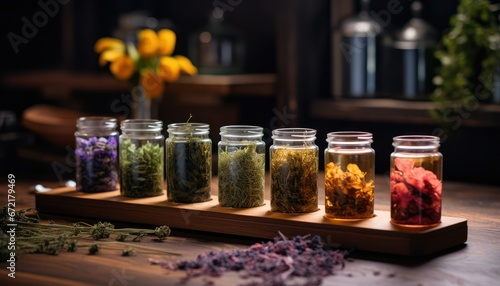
[
  {"x": 361, "y": 25},
  {"x": 417, "y": 33}
]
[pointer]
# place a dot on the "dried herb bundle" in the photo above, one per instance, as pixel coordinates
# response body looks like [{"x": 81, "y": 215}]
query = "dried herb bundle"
[
  {"x": 294, "y": 175},
  {"x": 189, "y": 170},
  {"x": 347, "y": 194},
  {"x": 275, "y": 263},
  {"x": 141, "y": 169},
  {"x": 34, "y": 236},
  {"x": 96, "y": 162},
  {"x": 241, "y": 178}
]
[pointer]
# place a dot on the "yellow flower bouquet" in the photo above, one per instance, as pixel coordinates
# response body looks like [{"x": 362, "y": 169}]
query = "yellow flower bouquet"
[{"x": 148, "y": 64}]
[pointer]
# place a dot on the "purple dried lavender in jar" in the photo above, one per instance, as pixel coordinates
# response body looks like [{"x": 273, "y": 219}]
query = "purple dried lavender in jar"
[{"x": 96, "y": 154}]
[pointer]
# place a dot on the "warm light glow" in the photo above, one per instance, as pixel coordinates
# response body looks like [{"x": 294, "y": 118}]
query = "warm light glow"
[{"x": 205, "y": 37}]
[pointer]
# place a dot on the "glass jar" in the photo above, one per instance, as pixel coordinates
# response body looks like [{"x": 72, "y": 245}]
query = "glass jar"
[
  {"x": 416, "y": 181},
  {"x": 141, "y": 158},
  {"x": 96, "y": 154},
  {"x": 294, "y": 170},
  {"x": 189, "y": 162},
  {"x": 349, "y": 175},
  {"x": 242, "y": 156}
]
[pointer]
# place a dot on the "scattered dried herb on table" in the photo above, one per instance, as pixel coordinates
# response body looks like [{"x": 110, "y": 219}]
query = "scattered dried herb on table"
[
  {"x": 96, "y": 161},
  {"x": 34, "y": 236},
  {"x": 141, "y": 169},
  {"x": 415, "y": 194},
  {"x": 241, "y": 178},
  {"x": 274, "y": 263},
  {"x": 294, "y": 180},
  {"x": 189, "y": 170},
  {"x": 347, "y": 194}
]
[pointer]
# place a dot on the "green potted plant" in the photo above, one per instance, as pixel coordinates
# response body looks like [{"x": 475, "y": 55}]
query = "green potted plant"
[{"x": 468, "y": 56}]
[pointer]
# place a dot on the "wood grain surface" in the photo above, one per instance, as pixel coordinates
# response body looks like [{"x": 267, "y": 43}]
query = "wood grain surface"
[
  {"x": 375, "y": 234},
  {"x": 474, "y": 263}
]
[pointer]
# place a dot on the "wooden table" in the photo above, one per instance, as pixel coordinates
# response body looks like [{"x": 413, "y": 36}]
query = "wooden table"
[{"x": 475, "y": 263}]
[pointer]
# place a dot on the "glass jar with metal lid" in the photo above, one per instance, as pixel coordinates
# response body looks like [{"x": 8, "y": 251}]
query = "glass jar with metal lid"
[
  {"x": 409, "y": 58},
  {"x": 359, "y": 54}
]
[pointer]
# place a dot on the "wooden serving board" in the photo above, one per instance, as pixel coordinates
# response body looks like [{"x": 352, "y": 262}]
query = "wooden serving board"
[{"x": 375, "y": 234}]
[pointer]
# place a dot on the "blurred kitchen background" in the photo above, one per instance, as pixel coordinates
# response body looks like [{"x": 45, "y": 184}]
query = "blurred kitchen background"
[{"x": 328, "y": 65}]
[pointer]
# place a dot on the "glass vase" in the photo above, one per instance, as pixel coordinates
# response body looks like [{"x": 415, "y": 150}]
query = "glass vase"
[{"x": 144, "y": 107}]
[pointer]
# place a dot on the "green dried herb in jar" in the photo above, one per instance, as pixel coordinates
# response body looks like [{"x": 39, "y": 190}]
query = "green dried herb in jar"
[
  {"x": 241, "y": 166},
  {"x": 141, "y": 158},
  {"x": 188, "y": 162},
  {"x": 294, "y": 170}
]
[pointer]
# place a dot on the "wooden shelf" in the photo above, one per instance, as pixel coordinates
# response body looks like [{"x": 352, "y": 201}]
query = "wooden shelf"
[
  {"x": 62, "y": 83},
  {"x": 398, "y": 111},
  {"x": 225, "y": 85}
]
